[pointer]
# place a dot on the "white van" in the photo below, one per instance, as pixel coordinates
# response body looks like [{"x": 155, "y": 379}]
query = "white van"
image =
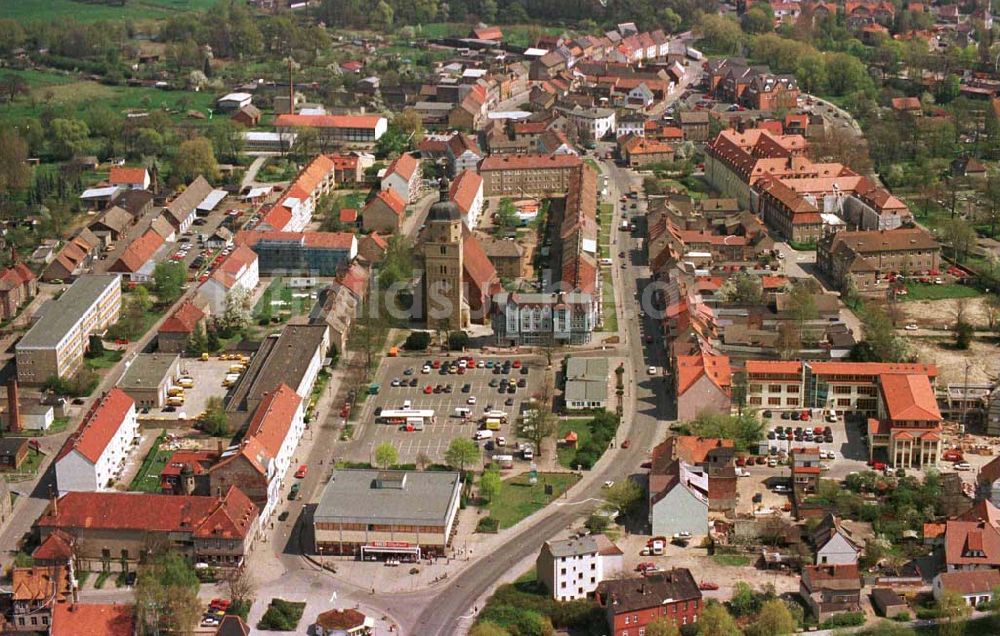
[
  {"x": 461, "y": 411},
  {"x": 484, "y": 434},
  {"x": 407, "y": 405}
]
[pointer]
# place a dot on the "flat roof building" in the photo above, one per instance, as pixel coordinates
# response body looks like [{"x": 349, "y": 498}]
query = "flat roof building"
[
  {"x": 55, "y": 345},
  {"x": 149, "y": 377},
  {"x": 586, "y": 383},
  {"x": 391, "y": 512}
]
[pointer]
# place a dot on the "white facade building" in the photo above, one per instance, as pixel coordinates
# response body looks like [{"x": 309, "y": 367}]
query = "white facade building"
[
  {"x": 240, "y": 269},
  {"x": 91, "y": 460},
  {"x": 573, "y": 568}
]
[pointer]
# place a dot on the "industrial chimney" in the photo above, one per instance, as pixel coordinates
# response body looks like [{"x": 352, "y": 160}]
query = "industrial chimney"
[{"x": 13, "y": 407}]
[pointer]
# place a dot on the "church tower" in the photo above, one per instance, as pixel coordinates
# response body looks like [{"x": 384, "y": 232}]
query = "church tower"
[{"x": 443, "y": 265}]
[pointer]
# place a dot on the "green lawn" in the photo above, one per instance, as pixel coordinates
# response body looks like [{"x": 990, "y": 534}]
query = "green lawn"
[
  {"x": 106, "y": 360},
  {"x": 30, "y": 465},
  {"x": 605, "y": 221},
  {"x": 68, "y": 95},
  {"x": 923, "y": 291},
  {"x": 733, "y": 560},
  {"x": 148, "y": 477},
  {"x": 517, "y": 499},
  {"x": 286, "y": 299},
  {"x": 567, "y": 455},
  {"x": 28, "y": 10},
  {"x": 608, "y": 293}
]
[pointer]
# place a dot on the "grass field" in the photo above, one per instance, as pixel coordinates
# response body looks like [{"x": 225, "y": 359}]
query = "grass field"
[
  {"x": 27, "y": 10},
  {"x": 517, "y": 499},
  {"x": 70, "y": 96},
  {"x": 106, "y": 360},
  {"x": 567, "y": 455},
  {"x": 922, "y": 291},
  {"x": 733, "y": 560},
  {"x": 610, "y": 312},
  {"x": 148, "y": 477},
  {"x": 606, "y": 212}
]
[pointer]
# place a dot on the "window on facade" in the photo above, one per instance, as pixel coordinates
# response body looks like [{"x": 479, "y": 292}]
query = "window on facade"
[
  {"x": 774, "y": 401},
  {"x": 774, "y": 388}
]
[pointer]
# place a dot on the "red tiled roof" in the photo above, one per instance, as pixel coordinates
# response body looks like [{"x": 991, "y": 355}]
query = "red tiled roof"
[
  {"x": 774, "y": 367},
  {"x": 138, "y": 253},
  {"x": 121, "y": 175},
  {"x": 348, "y": 215},
  {"x": 378, "y": 240},
  {"x": 871, "y": 368},
  {"x": 273, "y": 418},
  {"x": 970, "y": 581},
  {"x": 344, "y": 162},
  {"x": 391, "y": 199},
  {"x": 57, "y": 547},
  {"x": 691, "y": 368},
  {"x": 326, "y": 121},
  {"x": 184, "y": 319},
  {"x": 235, "y": 264},
  {"x": 277, "y": 218},
  {"x": 15, "y": 276},
  {"x": 528, "y": 162},
  {"x": 971, "y": 543},
  {"x": 45, "y": 585},
  {"x": 488, "y": 33},
  {"x": 464, "y": 189},
  {"x": 104, "y": 420},
  {"x": 478, "y": 267},
  {"x": 231, "y": 517},
  {"x": 405, "y": 165},
  {"x": 909, "y": 397},
  {"x": 335, "y": 240},
  {"x": 72, "y": 619}
]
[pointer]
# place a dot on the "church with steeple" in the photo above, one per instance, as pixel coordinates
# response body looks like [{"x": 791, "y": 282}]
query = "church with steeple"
[{"x": 458, "y": 278}]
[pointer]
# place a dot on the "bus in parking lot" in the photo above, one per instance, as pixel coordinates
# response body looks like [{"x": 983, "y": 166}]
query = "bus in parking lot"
[{"x": 406, "y": 417}]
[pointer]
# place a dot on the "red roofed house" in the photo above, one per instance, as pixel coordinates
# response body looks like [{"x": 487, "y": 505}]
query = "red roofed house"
[
  {"x": 137, "y": 261},
  {"x": 176, "y": 331},
  {"x": 91, "y": 458},
  {"x": 348, "y": 168},
  {"x": 348, "y": 216},
  {"x": 349, "y": 129},
  {"x": 976, "y": 587},
  {"x": 73, "y": 619},
  {"x": 909, "y": 105},
  {"x": 294, "y": 210},
  {"x": 403, "y": 177},
  {"x": 707, "y": 463},
  {"x": 240, "y": 269},
  {"x": 259, "y": 465},
  {"x": 971, "y": 545},
  {"x": 829, "y": 590},
  {"x": 372, "y": 247},
  {"x": 908, "y": 425},
  {"x": 131, "y": 178},
  {"x": 640, "y": 151},
  {"x": 34, "y": 593},
  {"x": 487, "y": 33},
  {"x": 18, "y": 285},
  {"x": 113, "y": 530},
  {"x": 704, "y": 382},
  {"x": 805, "y": 471},
  {"x": 467, "y": 193},
  {"x": 384, "y": 213}
]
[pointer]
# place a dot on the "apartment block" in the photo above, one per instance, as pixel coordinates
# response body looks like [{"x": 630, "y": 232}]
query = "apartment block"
[
  {"x": 55, "y": 345},
  {"x": 523, "y": 175}
]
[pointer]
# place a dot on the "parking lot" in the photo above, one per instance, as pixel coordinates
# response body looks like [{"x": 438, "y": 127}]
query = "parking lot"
[
  {"x": 207, "y": 376},
  {"x": 849, "y": 455},
  {"x": 433, "y": 441}
]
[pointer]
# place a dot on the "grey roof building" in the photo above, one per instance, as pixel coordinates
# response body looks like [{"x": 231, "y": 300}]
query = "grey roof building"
[
  {"x": 391, "y": 512},
  {"x": 149, "y": 377},
  {"x": 55, "y": 345},
  {"x": 586, "y": 383}
]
